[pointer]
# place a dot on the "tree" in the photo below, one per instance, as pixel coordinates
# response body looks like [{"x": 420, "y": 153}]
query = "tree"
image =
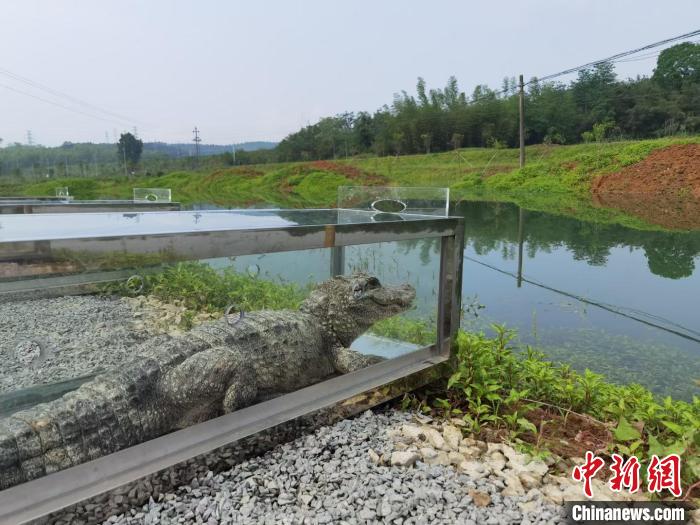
[
  {"x": 130, "y": 149},
  {"x": 677, "y": 65}
]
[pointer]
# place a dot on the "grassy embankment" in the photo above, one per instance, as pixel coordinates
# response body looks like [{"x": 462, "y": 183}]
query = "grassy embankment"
[{"x": 556, "y": 179}]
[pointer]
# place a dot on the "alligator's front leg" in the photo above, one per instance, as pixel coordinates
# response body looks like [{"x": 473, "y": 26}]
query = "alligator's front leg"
[
  {"x": 346, "y": 360},
  {"x": 242, "y": 390},
  {"x": 199, "y": 387}
]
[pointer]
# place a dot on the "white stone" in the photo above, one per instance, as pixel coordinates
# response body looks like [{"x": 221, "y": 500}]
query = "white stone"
[
  {"x": 435, "y": 439},
  {"x": 440, "y": 458},
  {"x": 496, "y": 465},
  {"x": 455, "y": 458},
  {"x": 553, "y": 494},
  {"x": 474, "y": 469},
  {"x": 528, "y": 507},
  {"x": 528, "y": 480},
  {"x": 412, "y": 432},
  {"x": 452, "y": 436},
  {"x": 469, "y": 452},
  {"x": 468, "y": 442},
  {"x": 513, "y": 486},
  {"x": 533, "y": 494},
  {"x": 494, "y": 447},
  {"x": 404, "y": 458},
  {"x": 428, "y": 453},
  {"x": 374, "y": 457},
  {"x": 537, "y": 467}
]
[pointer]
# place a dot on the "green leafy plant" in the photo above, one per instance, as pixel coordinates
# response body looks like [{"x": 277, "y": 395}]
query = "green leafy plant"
[{"x": 496, "y": 384}]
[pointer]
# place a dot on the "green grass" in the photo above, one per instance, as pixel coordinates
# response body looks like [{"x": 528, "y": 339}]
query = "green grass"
[
  {"x": 201, "y": 288},
  {"x": 556, "y": 179}
]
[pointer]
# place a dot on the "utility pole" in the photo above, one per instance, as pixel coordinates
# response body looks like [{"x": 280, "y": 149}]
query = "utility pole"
[
  {"x": 233, "y": 148},
  {"x": 124, "y": 152},
  {"x": 196, "y": 141},
  {"x": 521, "y": 212},
  {"x": 521, "y": 105}
]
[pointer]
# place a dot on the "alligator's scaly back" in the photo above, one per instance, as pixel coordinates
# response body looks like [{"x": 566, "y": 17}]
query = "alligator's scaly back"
[{"x": 172, "y": 382}]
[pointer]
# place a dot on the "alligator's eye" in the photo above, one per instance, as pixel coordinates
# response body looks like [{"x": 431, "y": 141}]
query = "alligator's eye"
[
  {"x": 373, "y": 282},
  {"x": 357, "y": 291}
]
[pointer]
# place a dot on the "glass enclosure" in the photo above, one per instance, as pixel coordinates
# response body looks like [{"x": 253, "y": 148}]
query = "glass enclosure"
[
  {"x": 122, "y": 328},
  {"x": 152, "y": 195}
]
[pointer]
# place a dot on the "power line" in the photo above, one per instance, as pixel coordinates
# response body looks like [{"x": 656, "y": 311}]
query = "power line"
[
  {"x": 53, "y": 103},
  {"x": 65, "y": 96},
  {"x": 652, "y": 320},
  {"x": 493, "y": 95},
  {"x": 613, "y": 58},
  {"x": 647, "y": 56}
]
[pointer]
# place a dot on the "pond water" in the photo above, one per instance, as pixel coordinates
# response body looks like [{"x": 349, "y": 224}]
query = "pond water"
[{"x": 619, "y": 301}]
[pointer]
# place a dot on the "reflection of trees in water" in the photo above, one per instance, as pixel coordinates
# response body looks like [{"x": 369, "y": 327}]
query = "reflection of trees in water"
[
  {"x": 493, "y": 227},
  {"x": 428, "y": 249},
  {"x": 672, "y": 256}
]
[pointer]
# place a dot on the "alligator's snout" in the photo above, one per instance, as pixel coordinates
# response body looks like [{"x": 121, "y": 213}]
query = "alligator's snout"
[{"x": 401, "y": 295}]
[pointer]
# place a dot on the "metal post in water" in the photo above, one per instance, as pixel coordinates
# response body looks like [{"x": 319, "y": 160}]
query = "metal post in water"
[
  {"x": 521, "y": 106},
  {"x": 521, "y": 235},
  {"x": 337, "y": 260}
]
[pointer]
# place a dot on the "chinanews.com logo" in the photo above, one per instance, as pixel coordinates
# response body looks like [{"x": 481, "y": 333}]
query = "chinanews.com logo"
[{"x": 662, "y": 474}]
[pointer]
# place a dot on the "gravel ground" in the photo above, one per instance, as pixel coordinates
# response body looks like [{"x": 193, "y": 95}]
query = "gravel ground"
[
  {"x": 48, "y": 340},
  {"x": 331, "y": 476}
]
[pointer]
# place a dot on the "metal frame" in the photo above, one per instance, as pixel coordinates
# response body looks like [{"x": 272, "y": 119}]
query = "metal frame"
[
  {"x": 62, "y": 205},
  {"x": 52, "y": 492}
]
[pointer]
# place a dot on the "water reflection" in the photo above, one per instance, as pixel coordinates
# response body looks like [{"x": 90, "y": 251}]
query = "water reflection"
[
  {"x": 497, "y": 226},
  {"x": 603, "y": 296}
]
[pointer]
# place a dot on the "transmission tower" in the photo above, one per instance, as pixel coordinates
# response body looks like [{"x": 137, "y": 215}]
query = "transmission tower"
[
  {"x": 196, "y": 141},
  {"x": 30, "y": 139}
]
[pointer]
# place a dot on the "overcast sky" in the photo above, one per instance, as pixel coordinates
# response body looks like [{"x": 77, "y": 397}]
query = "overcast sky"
[{"x": 258, "y": 70}]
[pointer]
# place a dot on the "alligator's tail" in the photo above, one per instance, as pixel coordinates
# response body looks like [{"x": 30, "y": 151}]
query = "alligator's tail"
[
  {"x": 111, "y": 412},
  {"x": 98, "y": 418}
]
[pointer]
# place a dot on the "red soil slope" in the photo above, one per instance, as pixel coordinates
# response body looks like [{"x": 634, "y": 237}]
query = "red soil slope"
[{"x": 662, "y": 189}]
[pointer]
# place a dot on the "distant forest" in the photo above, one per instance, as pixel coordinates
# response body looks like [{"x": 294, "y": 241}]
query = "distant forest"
[
  {"x": 89, "y": 159},
  {"x": 594, "y": 107}
]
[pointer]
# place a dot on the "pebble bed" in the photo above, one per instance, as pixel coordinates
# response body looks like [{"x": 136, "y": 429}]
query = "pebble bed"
[
  {"x": 49, "y": 340},
  {"x": 335, "y": 475}
]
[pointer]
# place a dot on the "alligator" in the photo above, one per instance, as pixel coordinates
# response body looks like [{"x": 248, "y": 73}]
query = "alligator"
[{"x": 216, "y": 368}]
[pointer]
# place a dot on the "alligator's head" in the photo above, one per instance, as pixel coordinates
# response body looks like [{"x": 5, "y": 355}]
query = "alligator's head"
[{"x": 348, "y": 305}]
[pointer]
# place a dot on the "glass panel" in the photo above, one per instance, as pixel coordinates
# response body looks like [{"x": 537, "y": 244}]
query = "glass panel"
[
  {"x": 390, "y": 200},
  {"x": 63, "y": 193},
  {"x": 154, "y": 346},
  {"x": 69, "y": 226},
  {"x": 415, "y": 262},
  {"x": 152, "y": 195}
]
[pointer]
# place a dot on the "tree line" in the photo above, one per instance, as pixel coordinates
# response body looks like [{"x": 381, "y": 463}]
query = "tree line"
[{"x": 595, "y": 106}]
